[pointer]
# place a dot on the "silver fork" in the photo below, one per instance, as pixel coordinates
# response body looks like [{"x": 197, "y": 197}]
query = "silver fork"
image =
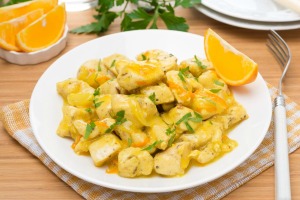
[{"x": 282, "y": 173}]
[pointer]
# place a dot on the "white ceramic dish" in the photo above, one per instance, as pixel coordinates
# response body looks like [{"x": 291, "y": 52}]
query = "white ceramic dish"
[
  {"x": 255, "y": 10},
  {"x": 21, "y": 58},
  {"x": 46, "y": 104},
  {"x": 254, "y": 25}
]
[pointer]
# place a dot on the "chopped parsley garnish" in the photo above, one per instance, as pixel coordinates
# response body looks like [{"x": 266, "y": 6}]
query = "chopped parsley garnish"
[
  {"x": 119, "y": 120},
  {"x": 171, "y": 140},
  {"x": 199, "y": 63},
  {"x": 219, "y": 83},
  {"x": 113, "y": 63},
  {"x": 97, "y": 92},
  {"x": 188, "y": 117},
  {"x": 89, "y": 129},
  {"x": 151, "y": 146},
  {"x": 97, "y": 104},
  {"x": 153, "y": 98},
  {"x": 99, "y": 66},
  {"x": 89, "y": 110},
  {"x": 215, "y": 90},
  {"x": 129, "y": 142},
  {"x": 170, "y": 131},
  {"x": 144, "y": 57},
  {"x": 182, "y": 73}
]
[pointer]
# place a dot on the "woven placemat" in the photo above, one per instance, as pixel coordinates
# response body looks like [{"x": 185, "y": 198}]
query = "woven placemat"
[{"x": 15, "y": 119}]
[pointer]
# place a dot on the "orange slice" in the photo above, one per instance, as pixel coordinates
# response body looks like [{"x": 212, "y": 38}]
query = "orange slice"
[
  {"x": 234, "y": 67},
  {"x": 9, "y": 29},
  {"x": 17, "y": 10},
  {"x": 43, "y": 32}
]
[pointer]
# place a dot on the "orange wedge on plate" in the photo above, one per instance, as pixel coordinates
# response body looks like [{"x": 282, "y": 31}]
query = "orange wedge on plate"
[
  {"x": 234, "y": 67},
  {"x": 17, "y": 10},
  {"x": 9, "y": 29},
  {"x": 44, "y": 32}
]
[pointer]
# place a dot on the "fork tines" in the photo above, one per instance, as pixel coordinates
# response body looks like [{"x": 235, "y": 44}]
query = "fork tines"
[{"x": 279, "y": 48}]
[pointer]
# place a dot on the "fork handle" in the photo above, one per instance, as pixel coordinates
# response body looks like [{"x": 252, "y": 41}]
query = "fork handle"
[{"x": 282, "y": 172}]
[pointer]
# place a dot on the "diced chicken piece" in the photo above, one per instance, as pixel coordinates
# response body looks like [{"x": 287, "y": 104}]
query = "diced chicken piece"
[
  {"x": 105, "y": 148},
  {"x": 138, "y": 74},
  {"x": 196, "y": 65},
  {"x": 70, "y": 113},
  {"x": 184, "y": 119},
  {"x": 166, "y": 60},
  {"x": 214, "y": 84},
  {"x": 110, "y": 62},
  {"x": 206, "y": 155},
  {"x": 159, "y": 132},
  {"x": 94, "y": 73},
  {"x": 161, "y": 93},
  {"x": 139, "y": 110},
  {"x": 174, "y": 160},
  {"x": 133, "y": 162},
  {"x": 207, "y": 103},
  {"x": 112, "y": 87},
  {"x": 182, "y": 86},
  {"x": 99, "y": 129},
  {"x": 103, "y": 105},
  {"x": 233, "y": 115},
  {"x": 73, "y": 85},
  {"x": 80, "y": 100}
]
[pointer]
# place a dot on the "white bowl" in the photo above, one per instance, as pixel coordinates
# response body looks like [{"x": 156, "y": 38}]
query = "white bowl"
[{"x": 36, "y": 57}]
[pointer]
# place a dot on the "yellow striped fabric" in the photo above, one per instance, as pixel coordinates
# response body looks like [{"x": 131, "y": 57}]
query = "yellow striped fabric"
[{"x": 15, "y": 119}]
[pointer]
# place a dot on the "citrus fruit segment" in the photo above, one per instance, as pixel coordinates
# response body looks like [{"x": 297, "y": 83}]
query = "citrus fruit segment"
[
  {"x": 234, "y": 67},
  {"x": 9, "y": 29},
  {"x": 44, "y": 32},
  {"x": 17, "y": 10}
]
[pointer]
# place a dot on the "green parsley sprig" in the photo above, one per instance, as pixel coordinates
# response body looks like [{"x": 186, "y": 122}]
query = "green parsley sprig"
[
  {"x": 151, "y": 146},
  {"x": 89, "y": 129},
  {"x": 188, "y": 117},
  {"x": 140, "y": 18},
  {"x": 119, "y": 120}
]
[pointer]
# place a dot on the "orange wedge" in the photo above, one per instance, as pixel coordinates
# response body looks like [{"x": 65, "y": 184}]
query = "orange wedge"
[
  {"x": 9, "y": 29},
  {"x": 43, "y": 32},
  {"x": 17, "y": 10},
  {"x": 234, "y": 67}
]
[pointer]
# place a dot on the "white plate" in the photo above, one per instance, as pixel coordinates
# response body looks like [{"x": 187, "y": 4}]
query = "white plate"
[
  {"x": 46, "y": 104},
  {"x": 256, "y": 10},
  {"x": 255, "y": 25}
]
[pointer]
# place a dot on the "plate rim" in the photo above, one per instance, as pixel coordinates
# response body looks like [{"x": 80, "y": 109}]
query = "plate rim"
[
  {"x": 247, "y": 24},
  {"x": 212, "y": 6},
  {"x": 130, "y": 188}
]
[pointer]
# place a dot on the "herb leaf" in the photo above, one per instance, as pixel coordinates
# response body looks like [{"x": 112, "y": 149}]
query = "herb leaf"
[
  {"x": 173, "y": 22},
  {"x": 129, "y": 142},
  {"x": 89, "y": 110},
  {"x": 171, "y": 140},
  {"x": 182, "y": 74},
  {"x": 152, "y": 97},
  {"x": 151, "y": 146},
  {"x": 215, "y": 90},
  {"x": 89, "y": 129},
  {"x": 186, "y": 3},
  {"x": 97, "y": 92},
  {"x": 219, "y": 83},
  {"x": 170, "y": 131},
  {"x": 199, "y": 63},
  {"x": 113, "y": 63},
  {"x": 184, "y": 118},
  {"x": 119, "y": 120}
]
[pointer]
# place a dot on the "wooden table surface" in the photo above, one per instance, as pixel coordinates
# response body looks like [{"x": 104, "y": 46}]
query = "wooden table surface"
[{"x": 22, "y": 176}]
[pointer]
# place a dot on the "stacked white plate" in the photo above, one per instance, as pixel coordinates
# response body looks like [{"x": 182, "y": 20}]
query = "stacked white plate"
[{"x": 251, "y": 14}]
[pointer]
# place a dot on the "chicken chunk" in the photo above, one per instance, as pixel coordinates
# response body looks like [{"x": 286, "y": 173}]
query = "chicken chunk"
[
  {"x": 112, "y": 87},
  {"x": 73, "y": 85},
  {"x": 196, "y": 65},
  {"x": 174, "y": 160},
  {"x": 70, "y": 113},
  {"x": 133, "y": 75},
  {"x": 185, "y": 119},
  {"x": 166, "y": 60},
  {"x": 100, "y": 127},
  {"x": 182, "y": 86},
  {"x": 161, "y": 93},
  {"x": 105, "y": 148},
  {"x": 94, "y": 73},
  {"x": 110, "y": 62},
  {"x": 133, "y": 162},
  {"x": 103, "y": 105},
  {"x": 159, "y": 132}
]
